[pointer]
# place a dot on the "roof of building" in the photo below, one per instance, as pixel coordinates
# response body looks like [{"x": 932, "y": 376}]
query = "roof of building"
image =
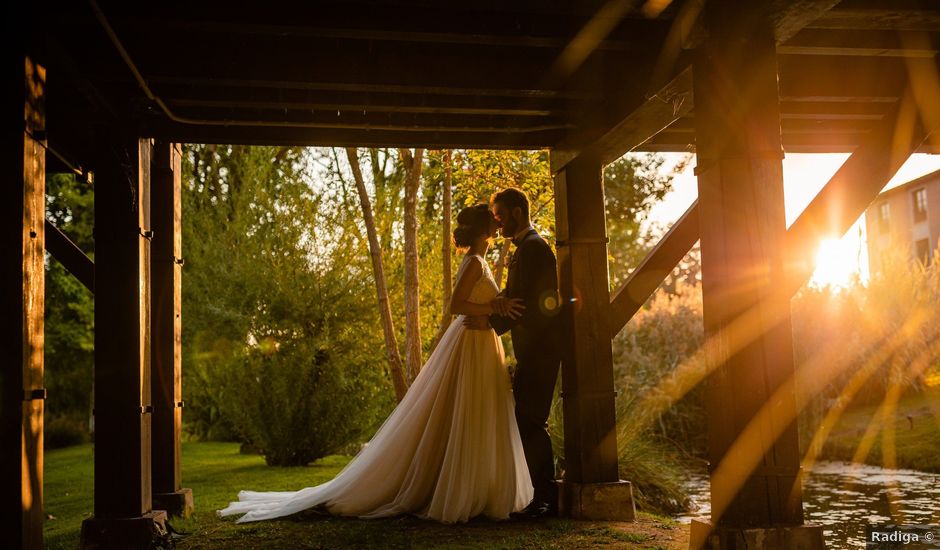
[{"x": 932, "y": 177}]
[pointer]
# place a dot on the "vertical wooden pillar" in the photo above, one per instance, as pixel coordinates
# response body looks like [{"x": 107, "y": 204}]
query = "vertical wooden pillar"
[
  {"x": 22, "y": 287},
  {"x": 123, "y": 515},
  {"x": 168, "y": 493},
  {"x": 592, "y": 488},
  {"x": 746, "y": 304}
]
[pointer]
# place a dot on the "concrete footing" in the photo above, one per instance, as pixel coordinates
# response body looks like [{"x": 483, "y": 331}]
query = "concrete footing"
[
  {"x": 597, "y": 501},
  {"x": 705, "y": 536},
  {"x": 176, "y": 504},
  {"x": 140, "y": 533}
]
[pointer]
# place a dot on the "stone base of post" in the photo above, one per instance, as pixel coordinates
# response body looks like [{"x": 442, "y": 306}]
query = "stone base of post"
[
  {"x": 176, "y": 504},
  {"x": 705, "y": 536},
  {"x": 597, "y": 501},
  {"x": 140, "y": 533}
]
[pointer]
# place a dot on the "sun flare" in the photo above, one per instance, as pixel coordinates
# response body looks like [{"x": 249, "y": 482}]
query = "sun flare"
[{"x": 836, "y": 263}]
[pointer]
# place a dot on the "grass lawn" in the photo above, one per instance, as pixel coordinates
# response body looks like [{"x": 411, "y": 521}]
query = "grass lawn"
[
  {"x": 917, "y": 433},
  {"x": 216, "y": 471}
]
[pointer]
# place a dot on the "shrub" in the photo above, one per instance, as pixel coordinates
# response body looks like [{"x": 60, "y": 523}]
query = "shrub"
[
  {"x": 64, "y": 431},
  {"x": 303, "y": 400},
  {"x": 648, "y": 353}
]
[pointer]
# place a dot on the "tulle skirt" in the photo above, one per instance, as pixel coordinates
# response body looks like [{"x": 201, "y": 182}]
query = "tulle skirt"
[{"x": 448, "y": 452}]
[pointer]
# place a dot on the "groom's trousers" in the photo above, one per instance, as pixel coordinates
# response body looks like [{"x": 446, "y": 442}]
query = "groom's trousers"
[{"x": 533, "y": 388}]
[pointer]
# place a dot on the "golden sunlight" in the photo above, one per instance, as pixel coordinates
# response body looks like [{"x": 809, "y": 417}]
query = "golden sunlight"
[{"x": 836, "y": 263}]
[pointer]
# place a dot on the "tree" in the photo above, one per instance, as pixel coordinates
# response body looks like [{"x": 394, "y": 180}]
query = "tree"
[
  {"x": 632, "y": 185},
  {"x": 381, "y": 288},
  {"x": 412, "y": 165},
  {"x": 70, "y": 316},
  {"x": 279, "y": 341},
  {"x": 447, "y": 276}
]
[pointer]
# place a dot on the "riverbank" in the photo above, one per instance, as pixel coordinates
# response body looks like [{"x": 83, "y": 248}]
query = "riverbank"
[
  {"x": 216, "y": 471},
  {"x": 916, "y": 425}
]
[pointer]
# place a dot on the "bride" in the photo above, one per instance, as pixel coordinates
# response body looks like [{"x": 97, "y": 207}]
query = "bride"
[{"x": 451, "y": 449}]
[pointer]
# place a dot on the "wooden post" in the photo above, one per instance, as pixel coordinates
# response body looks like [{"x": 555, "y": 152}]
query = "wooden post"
[
  {"x": 123, "y": 516},
  {"x": 743, "y": 229},
  {"x": 166, "y": 270},
  {"x": 592, "y": 488},
  {"x": 22, "y": 287}
]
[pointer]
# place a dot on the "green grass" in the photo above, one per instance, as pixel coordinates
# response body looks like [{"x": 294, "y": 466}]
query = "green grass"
[
  {"x": 917, "y": 440},
  {"x": 216, "y": 472}
]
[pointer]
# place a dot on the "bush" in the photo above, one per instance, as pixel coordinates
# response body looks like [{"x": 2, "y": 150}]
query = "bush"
[
  {"x": 655, "y": 362},
  {"x": 63, "y": 431},
  {"x": 302, "y": 401}
]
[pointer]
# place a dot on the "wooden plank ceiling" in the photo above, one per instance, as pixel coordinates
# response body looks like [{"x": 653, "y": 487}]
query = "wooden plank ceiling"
[{"x": 484, "y": 74}]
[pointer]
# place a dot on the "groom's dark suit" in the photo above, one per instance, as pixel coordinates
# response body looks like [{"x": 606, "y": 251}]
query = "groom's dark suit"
[{"x": 533, "y": 277}]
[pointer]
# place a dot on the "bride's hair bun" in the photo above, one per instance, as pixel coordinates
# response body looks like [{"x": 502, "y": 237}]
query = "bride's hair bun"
[{"x": 472, "y": 222}]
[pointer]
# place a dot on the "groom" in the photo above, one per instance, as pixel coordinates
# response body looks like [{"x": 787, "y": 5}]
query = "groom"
[{"x": 533, "y": 277}]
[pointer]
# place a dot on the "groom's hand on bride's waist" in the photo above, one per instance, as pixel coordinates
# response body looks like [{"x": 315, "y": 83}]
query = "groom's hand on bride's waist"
[{"x": 476, "y": 322}]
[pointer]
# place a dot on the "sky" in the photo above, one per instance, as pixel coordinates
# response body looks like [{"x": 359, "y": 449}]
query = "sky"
[{"x": 803, "y": 176}]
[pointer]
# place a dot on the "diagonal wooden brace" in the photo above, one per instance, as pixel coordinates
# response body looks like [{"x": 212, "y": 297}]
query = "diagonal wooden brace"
[{"x": 70, "y": 256}]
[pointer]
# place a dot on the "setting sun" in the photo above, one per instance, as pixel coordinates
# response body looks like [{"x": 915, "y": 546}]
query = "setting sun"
[{"x": 836, "y": 263}]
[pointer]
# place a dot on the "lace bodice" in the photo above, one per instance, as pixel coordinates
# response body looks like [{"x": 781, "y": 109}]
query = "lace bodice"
[{"x": 485, "y": 288}]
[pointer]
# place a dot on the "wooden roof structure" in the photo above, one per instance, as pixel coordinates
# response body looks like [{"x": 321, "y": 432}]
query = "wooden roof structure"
[
  {"x": 115, "y": 87},
  {"x": 485, "y": 74}
]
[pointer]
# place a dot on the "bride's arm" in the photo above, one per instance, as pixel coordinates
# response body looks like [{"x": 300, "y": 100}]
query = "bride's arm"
[{"x": 459, "y": 304}]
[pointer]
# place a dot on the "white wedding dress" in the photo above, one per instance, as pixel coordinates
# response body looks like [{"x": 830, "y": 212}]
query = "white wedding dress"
[{"x": 448, "y": 452}]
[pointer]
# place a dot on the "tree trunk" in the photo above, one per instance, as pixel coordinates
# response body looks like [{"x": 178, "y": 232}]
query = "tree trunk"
[
  {"x": 412, "y": 165},
  {"x": 375, "y": 251},
  {"x": 447, "y": 277}
]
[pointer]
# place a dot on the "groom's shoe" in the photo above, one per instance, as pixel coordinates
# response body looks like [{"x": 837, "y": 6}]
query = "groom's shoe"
[{"x": 535, "y": 510}]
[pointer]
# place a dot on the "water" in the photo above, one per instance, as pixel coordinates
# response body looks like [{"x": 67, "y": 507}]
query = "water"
[{"x": 844, "y": 498}]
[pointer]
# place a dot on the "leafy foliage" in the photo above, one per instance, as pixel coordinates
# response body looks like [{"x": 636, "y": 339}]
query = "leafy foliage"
[
  {"x": 70, "y": 316},
  {"x": 632, "y": 185},
  {"x": 279, "y": 346},
  {"x": 878, "y": 339}
]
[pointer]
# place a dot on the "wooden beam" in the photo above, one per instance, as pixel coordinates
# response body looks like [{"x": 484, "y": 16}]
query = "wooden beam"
[
  {"x": 122, "y": 326},
  {"x": 653, "y": 270},
  {"x": 203, "y": 92},
  {"x": 665, "y": 106},
  {"x": 123, "y": 515},
  {"x": 743, "y": 227},
  {"x": 166, "y": 351},
  {"x": 400, "y": 122},
  {"x": 22, "y": 295},
  {"x": 854, "y": 43},
  {"x": 899, "y": 15},
  {"x": 832, "y": 76},
  {"x": 788, "y": 17},
  {"x": 454, "y": 139},
  {"x": 587, "y": 360},
  {"x": 70, "y": 256},
  {"x": 339, "y": 107},
  {"x": 481, "y": 89},
  {"x": 681, "y": 142},
  {"x": 832, "y": 110}
]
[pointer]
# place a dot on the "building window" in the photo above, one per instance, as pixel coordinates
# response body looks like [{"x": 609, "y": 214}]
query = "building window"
[
  {"x": 920, "y": 205},
  {"x": 922, "y": 249},
  {"x": 884, "y": 216}
]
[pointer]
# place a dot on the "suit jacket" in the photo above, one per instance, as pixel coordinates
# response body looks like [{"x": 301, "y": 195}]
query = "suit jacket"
[{"x": 533, "y": 277}]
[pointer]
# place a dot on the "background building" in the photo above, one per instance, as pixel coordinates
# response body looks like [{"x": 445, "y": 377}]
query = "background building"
[{"x": 907, "y": 215}]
